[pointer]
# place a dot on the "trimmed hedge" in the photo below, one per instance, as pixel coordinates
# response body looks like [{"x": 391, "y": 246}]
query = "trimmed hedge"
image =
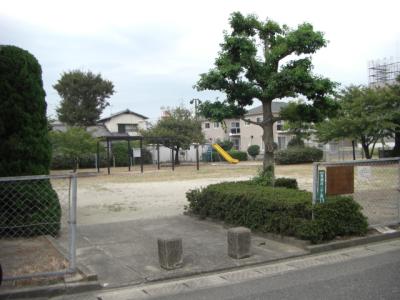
[
  {"x": 297, "y": 155},
  {"x": 277, "y": 210},
  {"x": 29, "y": 208},
  {"x": 240, "y": 155},
  {"x": 289, "y": 183}
]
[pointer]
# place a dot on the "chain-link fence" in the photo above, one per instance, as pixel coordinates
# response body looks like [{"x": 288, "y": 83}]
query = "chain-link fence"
[
  {"x": 35, "y": 212},
  {"x": 374, "y": 184}
]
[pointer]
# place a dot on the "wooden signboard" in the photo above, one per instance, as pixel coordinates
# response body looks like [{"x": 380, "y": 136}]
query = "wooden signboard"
[{"x": 340, "y": 180}]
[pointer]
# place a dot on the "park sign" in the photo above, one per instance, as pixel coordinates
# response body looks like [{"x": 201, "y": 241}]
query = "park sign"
[{"x": 321, "y": 186}]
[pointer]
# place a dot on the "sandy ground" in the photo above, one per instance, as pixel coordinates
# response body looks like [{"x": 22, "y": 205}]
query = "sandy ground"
[{"x": 124, "y": 195}]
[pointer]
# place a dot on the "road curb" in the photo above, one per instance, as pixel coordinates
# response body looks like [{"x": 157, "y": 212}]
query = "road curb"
[
  {"x": 352, "y": 242},
  {"x": 50, "y": 290}
]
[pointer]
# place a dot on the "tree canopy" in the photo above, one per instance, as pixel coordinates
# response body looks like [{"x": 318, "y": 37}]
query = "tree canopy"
[
  {"x": 265, "y": 61},
  {"x": 25, "y": 147},
  {"x": 73, "y": 143},
  {"x": 83, "y": 97},
  {"x": 365, "y": 115},
  {"x": 179, "y": 128},
  {"x": 394, "y": 105}
]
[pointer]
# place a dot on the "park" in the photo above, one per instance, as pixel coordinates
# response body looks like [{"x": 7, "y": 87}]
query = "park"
[{"x": 95, "y": 202}]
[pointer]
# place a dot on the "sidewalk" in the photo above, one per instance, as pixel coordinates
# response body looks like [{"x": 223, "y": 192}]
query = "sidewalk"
[{"x": 125, "y": 253}]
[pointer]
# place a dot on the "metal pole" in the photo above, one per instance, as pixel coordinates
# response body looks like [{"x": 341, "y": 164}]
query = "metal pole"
[
  {"x": 108, "y": 157},
  {"x": 398, "y": 189},
  {"x": 129, "y": 155},
  {"x": 158, "y": 156},
  {"x": 141, "y": 155},
  {"x": 72, "y": 222},
  {"x": 172, "y": 158},
  {"x": 98, "y": 157},
  {"x": 197, "y": 157},
  {"x": 354, "y": 149}
]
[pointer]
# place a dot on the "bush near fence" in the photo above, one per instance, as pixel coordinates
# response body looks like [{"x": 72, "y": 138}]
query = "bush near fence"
[
  {"x": 28, "y": 208},
  {"x": 297, "y": 155},
  {"x": 277, "y": 210},
  {"x": 214, "y": 157},
  {"x": 61, "y": 162}
]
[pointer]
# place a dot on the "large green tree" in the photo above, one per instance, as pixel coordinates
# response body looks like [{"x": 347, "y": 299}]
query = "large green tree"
[
  {"x": 83, "y": 97},
  {"x": 394, "y": 106},
  {"x": 24, "y": 142},
  {"x": 179, "y": 128},
  {"x": 364, "y": 116},
  {"x": 265, "y": 61},
  {"x": 28, "y": 207}
]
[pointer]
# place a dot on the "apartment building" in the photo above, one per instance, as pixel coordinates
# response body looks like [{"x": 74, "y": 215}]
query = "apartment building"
[{"x": 244, "y": 134}]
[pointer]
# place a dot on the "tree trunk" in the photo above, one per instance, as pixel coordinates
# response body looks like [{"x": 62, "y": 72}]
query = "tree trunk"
[
  {"x": 396, "y": 148},
  {"x": 365, "y": 147},
  {"x": 177, "y": 156},
  {"x": 268, "y": 136}
]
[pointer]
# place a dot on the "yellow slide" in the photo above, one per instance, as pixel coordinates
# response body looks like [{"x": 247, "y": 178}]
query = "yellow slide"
[{"x": 225, "y": 154}]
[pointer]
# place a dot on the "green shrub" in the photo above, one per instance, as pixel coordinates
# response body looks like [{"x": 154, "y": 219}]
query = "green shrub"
[
  {"x": 289, "y": 183},
  {"x": 295, "y": 142},
  {"x": 225, "y": 144},
  {"x": 253, "y": 151},
  {"x": 277, "y": 210},
  {"x": 29, "y": 208},
  {"x": 240, "y": 155},
  {"x": 25, "y": 148},
  {"x": 265, "y": 177},
  {"x": 298, "y": 155}
]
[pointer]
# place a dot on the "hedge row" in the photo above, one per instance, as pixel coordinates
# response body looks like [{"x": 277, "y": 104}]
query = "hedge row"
[
  {"x": 277, "y": 210},
  {"x": 61, "y": 162},
  {"x": 215, "y": 156},
  {"x": 297, "y": 155}
]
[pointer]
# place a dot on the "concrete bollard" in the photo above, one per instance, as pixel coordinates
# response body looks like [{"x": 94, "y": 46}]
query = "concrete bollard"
[
  {"x": 170, "y": 253},
  {"x": 239, "y": 242}
]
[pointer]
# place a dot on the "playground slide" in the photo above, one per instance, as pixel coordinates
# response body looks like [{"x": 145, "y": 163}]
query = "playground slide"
[{"x": 225, "y": 154}]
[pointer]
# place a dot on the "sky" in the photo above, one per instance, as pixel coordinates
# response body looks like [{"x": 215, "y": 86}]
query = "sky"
[{"x": 154, "y": 51}]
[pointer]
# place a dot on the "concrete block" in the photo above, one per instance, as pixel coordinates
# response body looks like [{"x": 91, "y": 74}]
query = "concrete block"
[
  {"x": 239, "y": 242},
  {"x": 170, "y": 253}
]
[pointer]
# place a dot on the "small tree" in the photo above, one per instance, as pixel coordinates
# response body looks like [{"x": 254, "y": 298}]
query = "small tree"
[
  {"x": 253, "y": 151},
  {"x": 73, "y": 144},
  {"x": 394, "y": 105},
  {"x": 83, "y": 97},
  {"x": 179, "y": 128},
  {"x": 28, "y": 207},
  {"x": 363, "y": 116},
  {"x": 250, "y": 67}
]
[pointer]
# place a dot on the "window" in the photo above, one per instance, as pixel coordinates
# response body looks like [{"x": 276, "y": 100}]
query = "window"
[
  {"x": 259, "y": 119},
  {"x": 125, "y": 128},
  {"x": 246, "y": 123},
  {"x": 235, "y": 128},
  {"x": 207, "y": 125},
  {"x": 216, "y": 125},
  {"x": 279, "y": 125}
]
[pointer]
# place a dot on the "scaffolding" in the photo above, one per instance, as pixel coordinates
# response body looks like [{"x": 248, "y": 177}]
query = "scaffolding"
[{"x": 383, "y": 71}]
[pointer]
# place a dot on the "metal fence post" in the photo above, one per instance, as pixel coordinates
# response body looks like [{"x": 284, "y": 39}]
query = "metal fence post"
[
  {"x": 314, "y": 187},
  {"x": 72, "y": 223},
  {"x": 398, "y": 189}
]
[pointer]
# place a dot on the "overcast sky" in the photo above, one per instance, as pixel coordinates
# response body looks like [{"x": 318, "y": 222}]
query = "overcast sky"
[{"x": 154, "y": 51}]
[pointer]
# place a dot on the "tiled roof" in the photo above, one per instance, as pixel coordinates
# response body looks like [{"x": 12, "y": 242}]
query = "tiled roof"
[{"x": 126, "y": 111}]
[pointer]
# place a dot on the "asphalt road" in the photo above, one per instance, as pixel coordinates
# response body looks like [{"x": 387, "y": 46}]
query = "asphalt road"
[{"x": 372, "y": 277}]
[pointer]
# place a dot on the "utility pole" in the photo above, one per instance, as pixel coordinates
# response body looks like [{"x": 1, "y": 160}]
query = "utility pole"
[{"x": 196, "y": 104}]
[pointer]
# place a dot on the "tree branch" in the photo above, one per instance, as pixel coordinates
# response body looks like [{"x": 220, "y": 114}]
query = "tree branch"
[{"x": 252, "y": 122}]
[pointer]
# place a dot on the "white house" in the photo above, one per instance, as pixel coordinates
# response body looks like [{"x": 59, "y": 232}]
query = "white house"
[{"x": 125, "y": 122}]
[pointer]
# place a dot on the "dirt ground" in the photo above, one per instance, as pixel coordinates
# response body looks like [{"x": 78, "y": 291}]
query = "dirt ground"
[{"x": 125, "y": 195}]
